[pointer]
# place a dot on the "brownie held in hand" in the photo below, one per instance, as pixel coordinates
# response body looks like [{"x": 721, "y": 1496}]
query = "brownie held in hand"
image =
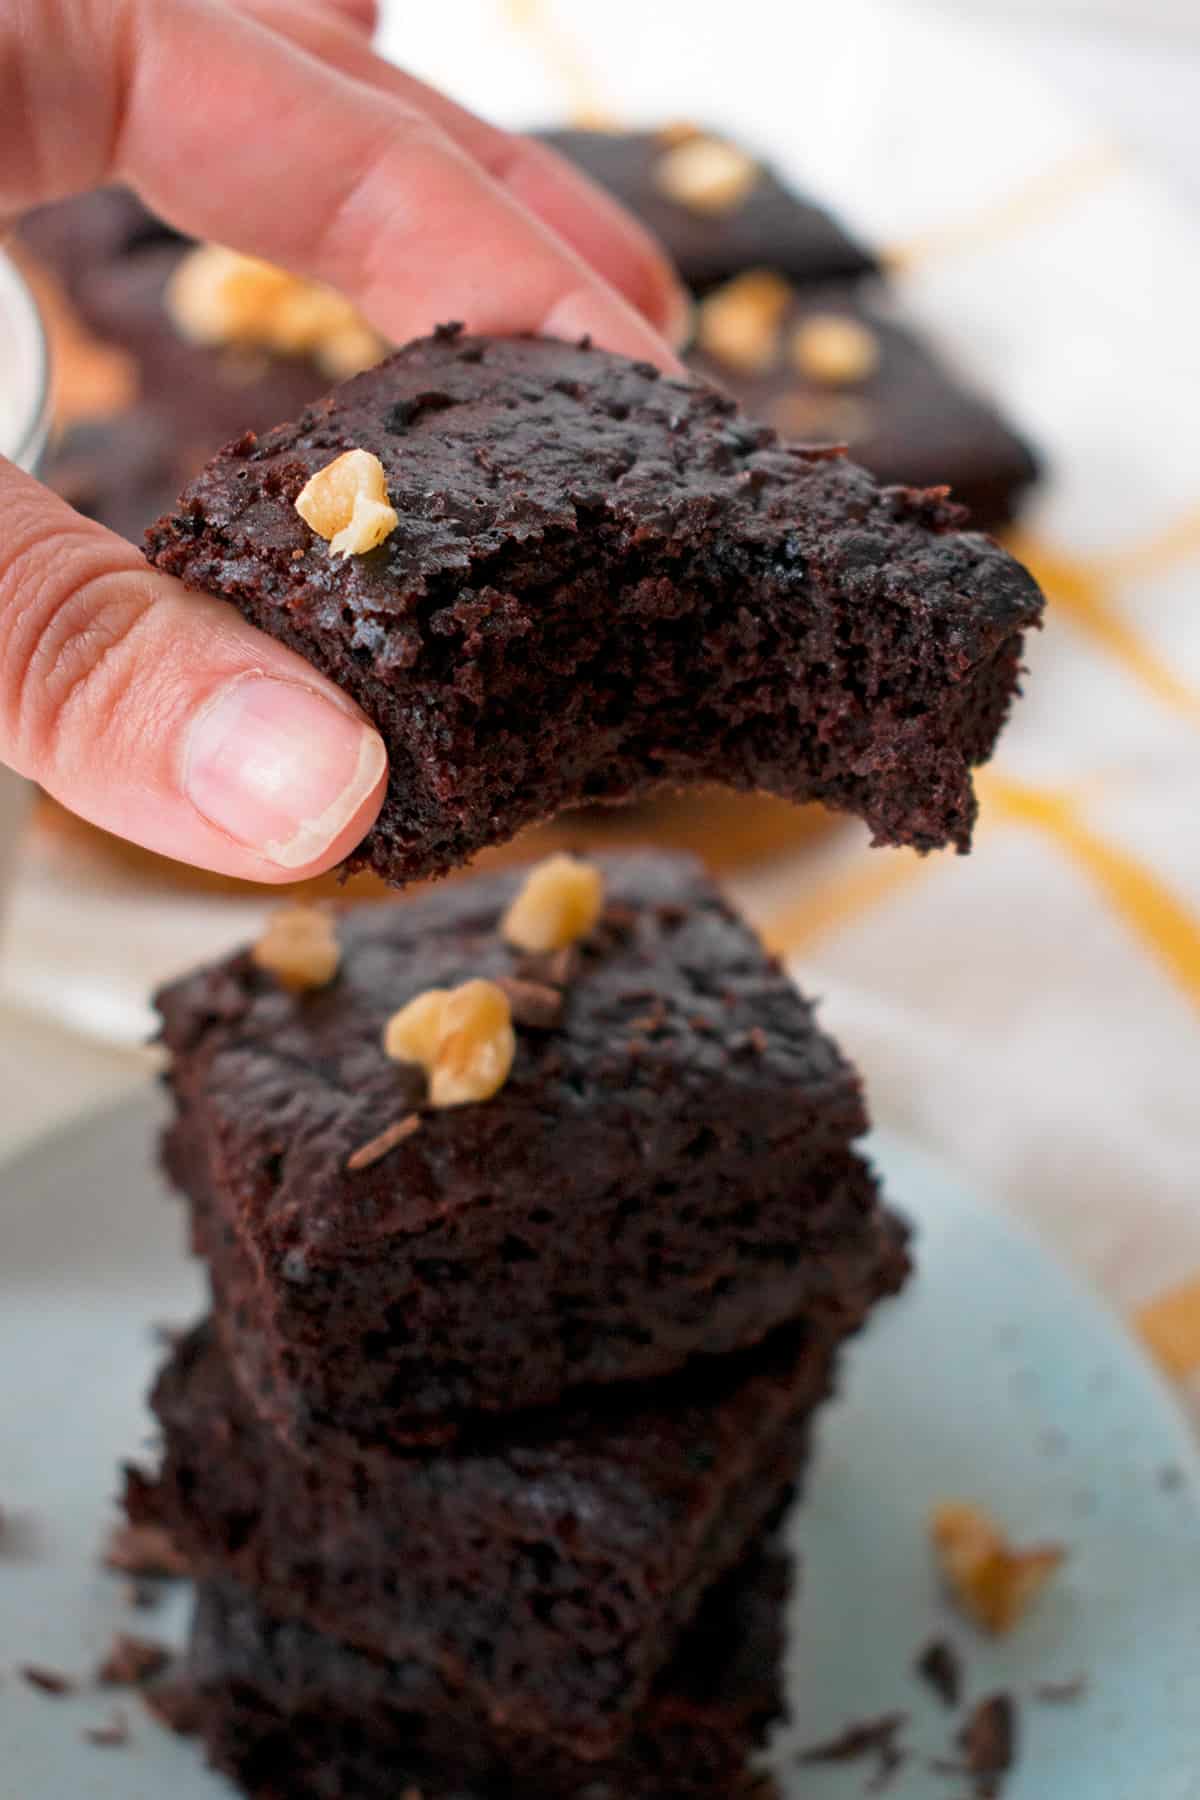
[
  {"x": 550, "y": 575},
  {"x": 658, "y": 1162},
  {"x": 546, "y": 1567},
  {"x": 290, "y": 1715}
]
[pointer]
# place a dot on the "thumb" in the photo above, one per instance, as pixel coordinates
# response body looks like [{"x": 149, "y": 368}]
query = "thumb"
[{"x": 162, "y": 715}]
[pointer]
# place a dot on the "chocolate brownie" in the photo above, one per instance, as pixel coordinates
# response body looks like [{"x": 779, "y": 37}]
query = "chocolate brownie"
[
  {"x": 668, "y": 1170},
  {"x": 603, "y": 582},
  {"x": 770, "y": 223},
  {"x": 545, "y": 1567},
  {"x": 289, "y": 1714},
  {"x": 905, "y": 415},
  {"x": 75, "y": 238}
]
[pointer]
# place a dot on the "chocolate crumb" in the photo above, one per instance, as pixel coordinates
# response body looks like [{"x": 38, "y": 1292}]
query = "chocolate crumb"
[
  {"x": 376, "y": 1148},
  {"x": 870, "y": 1738},
  {"x": 132, "y": 1660},
  {"x": 144, "y": 1550},
  {"x": 989, "y": 1743},
  {"x": 47, "y": 1681},
  {"x": 535, "y": 1004},
  {"x": 1061, "y": 1693},
  {"x": 175, "y": 1704},
  {"x": 940, "y": 1668},
  {"x": 111, "y": 1736}
]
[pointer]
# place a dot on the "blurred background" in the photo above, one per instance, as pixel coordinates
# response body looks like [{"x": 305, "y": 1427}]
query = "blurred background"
[{"x": 1019, "y": 187}]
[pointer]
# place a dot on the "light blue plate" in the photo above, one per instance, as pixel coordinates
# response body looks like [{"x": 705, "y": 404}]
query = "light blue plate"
[{"x": 995, "y": 1379}]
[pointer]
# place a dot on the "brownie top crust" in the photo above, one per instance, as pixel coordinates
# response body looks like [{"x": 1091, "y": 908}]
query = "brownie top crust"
[{"x": 674, "y": 1019}]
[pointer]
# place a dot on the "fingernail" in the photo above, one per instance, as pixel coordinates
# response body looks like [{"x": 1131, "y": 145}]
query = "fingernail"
[{"x": 279, "y": 768}]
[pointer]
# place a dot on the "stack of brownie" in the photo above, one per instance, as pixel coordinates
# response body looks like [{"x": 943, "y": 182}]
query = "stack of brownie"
[
  {"x": 480, "y": 1457},
  {"x": 796, "y": 319}
]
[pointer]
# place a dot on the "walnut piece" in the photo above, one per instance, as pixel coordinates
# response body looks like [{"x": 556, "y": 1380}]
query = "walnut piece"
[
  {"x": 559, "y": 903},
  {"x": 299, "y": 948},
  {"x": 705, "y": 174},
  {"x": 834, "y": 350},
  {"x": 219, "y": 296},
  {"x": 993, "y": 1582},
  {"x": 739, "y": 323},
  {"x": 462, "y": 1037},
  {"x": 346, "y": 502}
]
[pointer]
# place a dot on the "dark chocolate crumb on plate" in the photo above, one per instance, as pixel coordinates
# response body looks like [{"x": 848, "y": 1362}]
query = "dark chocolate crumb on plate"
[
  {"x": 47, "y": 1681},
  {"x": 989, "y": 1743},
  {"x": 175, "y": 1703},
  {"x": 940, "y": 1667},
  {"x": 111, "y": 1736},
  {"x": 868, "y": 1738},
  {"x": 131, "y": 1660}
]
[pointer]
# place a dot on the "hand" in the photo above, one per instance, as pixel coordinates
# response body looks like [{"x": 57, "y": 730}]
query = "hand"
[{"x": 271, "y": 126}]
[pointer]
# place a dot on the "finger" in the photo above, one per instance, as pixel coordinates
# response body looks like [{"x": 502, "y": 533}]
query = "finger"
[
  {"x": 291, "y": 159},
  {"x": 161, "y": 715},
  {"x": 578, "y": 211},
  {"x": 362, "y": 13}
]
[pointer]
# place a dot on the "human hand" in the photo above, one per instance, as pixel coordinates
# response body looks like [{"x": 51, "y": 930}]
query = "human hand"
[{"x": 271, "y": 126}]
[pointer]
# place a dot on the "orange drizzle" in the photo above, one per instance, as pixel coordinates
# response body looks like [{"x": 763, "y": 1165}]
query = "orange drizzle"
[
  {"x": 1034, "y": 201},
  {"x": 855, "y": 892},
  {"x": 1082, "y": 590},
  {"x": 563, "y": 57},
  {"x": 1157, "y": 916}
]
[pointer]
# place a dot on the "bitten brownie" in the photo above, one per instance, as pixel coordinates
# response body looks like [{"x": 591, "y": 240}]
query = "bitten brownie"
[
  {"x": 603, "y": 581},
  {"x": 757, "y": 220},
  {"x": 667, "y": 1171},
  {"x": 887, "y": 396},
  {"x": 545, "y": 1568},
  {"x": 289, "y": 1714}
]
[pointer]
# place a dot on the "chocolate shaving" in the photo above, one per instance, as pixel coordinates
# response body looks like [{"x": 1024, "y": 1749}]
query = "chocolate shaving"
[
  {"x": 1061, "y": 1693},
  {"x": 47, "y": 1681},
  {"x": 870, "y": 1738},
  {"x": 376, "y": 1148},
  {"x": 131, "y": 1660},
  {"x": 144, "y": 1550},
  {"x": 111, "y": 1736},
  {"x": 534, "y": 1004},
  {"x": 940, "y": 1668},
  {"x": 175, "y": 1704},
  {"x": 989, "y": 1743}
]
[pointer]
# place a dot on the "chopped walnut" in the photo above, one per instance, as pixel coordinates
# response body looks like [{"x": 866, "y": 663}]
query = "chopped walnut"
[
  {"x": 347, "y": 503},
  {"x": 462, "y": 1037},
  {"x": 705, "y": 174},
  {"x": 219, "y": 296},
  {"x": 677, "y": 131},
  {"x": 299, "y": 948},
  {"x": 559, "y": 903},
  {"x": 739, "y": 324},
  {"x": 834, "y": 349},
  {"x": 995, "y": 1584}
]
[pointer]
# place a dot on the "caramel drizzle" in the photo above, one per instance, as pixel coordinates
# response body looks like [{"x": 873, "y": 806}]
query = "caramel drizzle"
[
  {"x": 1083, "y": 590},
  {"x": 567, "y": 63},
  {"x": 1030, "y": 204}
]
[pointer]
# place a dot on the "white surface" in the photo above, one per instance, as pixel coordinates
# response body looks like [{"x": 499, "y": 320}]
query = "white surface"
[
  {"x": 995, "y": 1379},
  {"x": 23, "y": 371}
]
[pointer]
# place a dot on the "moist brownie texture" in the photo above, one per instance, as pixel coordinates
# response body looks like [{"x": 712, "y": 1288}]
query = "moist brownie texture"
[
  {"x": 544, "y": 1568},
  {"x": 289, "y": 1714},
  {"x": 906, "y": 417},
  {"x": 603, "y": 581},
  {"x": 668, "y": 1170},
  {"x": 768, "y": 224}
]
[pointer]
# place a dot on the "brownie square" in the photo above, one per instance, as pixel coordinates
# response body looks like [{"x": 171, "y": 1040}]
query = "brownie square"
[
  {"x": 771, "y": 224},
  {"x": 604, "y": 582},
  {"x": 546, "y": 1567},
  {"x": 289, "y": 1714},
  {"x": 667, "y": 1172},
  {"x": 906, "y": 417}
]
